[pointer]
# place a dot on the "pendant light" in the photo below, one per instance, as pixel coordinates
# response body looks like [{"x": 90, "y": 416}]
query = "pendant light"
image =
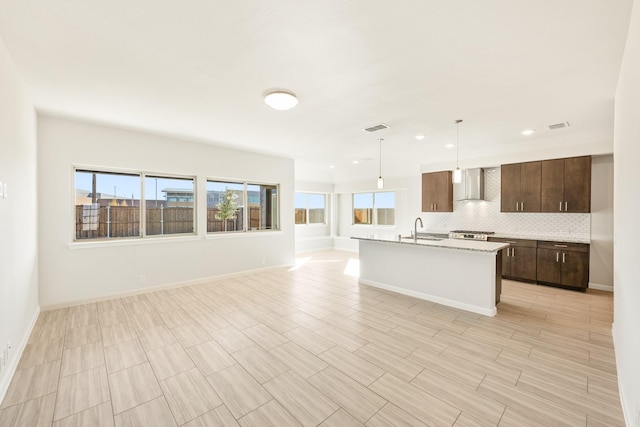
[
  {"x": 380, "y": 180},
  {"x": 457, "y": 173}
]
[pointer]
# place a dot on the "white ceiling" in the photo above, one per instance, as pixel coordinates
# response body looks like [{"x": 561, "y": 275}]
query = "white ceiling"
[{"x": 197, "y": 69}]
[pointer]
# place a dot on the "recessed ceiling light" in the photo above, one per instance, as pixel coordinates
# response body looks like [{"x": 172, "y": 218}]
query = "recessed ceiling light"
[
  {"x": 281, "y": 100},
  {"x": 331, "y": 167},
  {"x": 419, "y": 137},
  {"x": 527, "y": 132},
  {"x": 355, "y": 162},
  {"x": 450, "y": 145}
]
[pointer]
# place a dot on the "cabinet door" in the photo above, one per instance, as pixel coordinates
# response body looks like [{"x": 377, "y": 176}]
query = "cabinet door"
[
  {"x": 443, "y": 191},
  {"x": 510, "y": 187},
  {"x": 437, "y": 192},
  {"x": 506, "y": 262},
  {"x": 523, "y": 263},
  {"x": 427, "y": 192},
  {"x": 577, "y": 184},
  {"x": 552, "y": 179},
  {"x": 530, "y": 176},
  {"x": 575, "y": 269},
  {"x": 549, "y": 265}
]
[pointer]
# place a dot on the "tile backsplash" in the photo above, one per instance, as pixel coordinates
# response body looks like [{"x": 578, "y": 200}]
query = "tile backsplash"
[{"x": 486, "y": 216}]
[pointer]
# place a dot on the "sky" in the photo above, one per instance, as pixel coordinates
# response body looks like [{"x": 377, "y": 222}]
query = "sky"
[{"x": 128, "y": 186}]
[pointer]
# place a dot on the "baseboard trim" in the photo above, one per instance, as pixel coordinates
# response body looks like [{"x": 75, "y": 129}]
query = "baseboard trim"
[
  {"x": 599, "y": 287},
  {"x": 139, "y": 291},
  {"x": 432, "y": 298},
  {"x": 10, "y": 369}
]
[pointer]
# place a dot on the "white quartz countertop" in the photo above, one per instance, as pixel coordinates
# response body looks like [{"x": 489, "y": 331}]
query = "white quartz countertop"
[
  {"x": 457, "y": 244},
  {"x": 572, "y": 239}
]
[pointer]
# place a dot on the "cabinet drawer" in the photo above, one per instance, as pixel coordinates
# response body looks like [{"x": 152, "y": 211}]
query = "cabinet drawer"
[
  {"x": 564, "y": 246},
  {"x": 523, "y": 243}
]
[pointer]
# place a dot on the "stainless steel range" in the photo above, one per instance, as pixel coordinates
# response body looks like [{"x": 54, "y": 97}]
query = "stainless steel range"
[{"x": 470, "y": 235}]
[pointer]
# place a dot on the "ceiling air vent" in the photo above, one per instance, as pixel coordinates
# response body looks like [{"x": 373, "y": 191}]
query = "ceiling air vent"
[
  {"x": 376, "y": 128},
  {"x": 559, "y": 126}
]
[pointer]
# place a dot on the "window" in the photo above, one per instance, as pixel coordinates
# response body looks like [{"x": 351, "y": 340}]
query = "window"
[
  {"x": 382, "y": 204},
  {"x": 310, "y": 208},
  {"x": 263, "y": 207},
  {"x": 112, "y": 205},
  {"x": 228, "y": 201},
  {"x": 174, "y": 212},
  {"x": 225, "y": 206},
  {"x": 107, "y": 205}
]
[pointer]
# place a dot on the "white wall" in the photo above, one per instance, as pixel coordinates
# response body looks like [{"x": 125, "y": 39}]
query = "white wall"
[
  {"x": 69, "y": 273},
  {"x": 406, "y": 209},
  {"x": 314, "y": 237},
  {"x": 626, "y": 195},
  {"x": 18, "y": 217},
  {"x": 601, "y": 251}
]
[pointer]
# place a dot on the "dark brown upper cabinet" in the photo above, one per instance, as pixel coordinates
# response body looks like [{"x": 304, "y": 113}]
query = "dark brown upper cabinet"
[
  {"x": 437, "y": 192},
  {"x": 520, "y": 187},
  {"x": 566, "y": 185}
]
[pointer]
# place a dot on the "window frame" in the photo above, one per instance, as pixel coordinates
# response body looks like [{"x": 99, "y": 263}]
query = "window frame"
[
  {"x": 141, "y": 175},
  {"x": 308, "y": 216},
  {"x": 245, "y": 217},
  {"x": 374, "y": 215}
]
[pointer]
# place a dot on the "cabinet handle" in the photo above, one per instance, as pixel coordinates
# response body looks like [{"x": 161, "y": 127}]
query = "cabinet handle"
[
  {"x": 563, "y": 256},
  {"x": 560, "y": 209},
  {"x": 557, "y": 256},
  {"x": 511, "y": 242},
  {"x": 507, "y": 251},
  {"x": 516, "y": 206},
  {"x": 561, "y": 246},
  {"x": 513, "y": 251},
  {"x": 565, "y": 206},
  {"x": 522, "y": 206}
]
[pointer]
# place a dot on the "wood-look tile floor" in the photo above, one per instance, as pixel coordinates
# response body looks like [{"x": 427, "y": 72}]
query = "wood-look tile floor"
[{"x": 310, "y": 346}]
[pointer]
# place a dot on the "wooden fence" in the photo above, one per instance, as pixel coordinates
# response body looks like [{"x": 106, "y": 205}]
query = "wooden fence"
[
  {"x": 386, "y": 216},
  {"x": 124, "y": 221}
]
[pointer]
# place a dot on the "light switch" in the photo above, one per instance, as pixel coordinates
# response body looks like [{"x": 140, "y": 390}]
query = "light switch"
[
  {"x": 5, "y": 193},
  {"x": 1, "y": 190}
]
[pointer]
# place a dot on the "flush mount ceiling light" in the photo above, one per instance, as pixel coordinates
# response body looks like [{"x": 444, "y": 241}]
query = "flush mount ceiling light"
[
  {"x": 419, "y": 137},
  {"x": 380, "y": 180},
  {"x": 281, "y": 100},
  {"x": 457, "y": 173},
  {"x": 449, "y": 146},
  {"x": 527, "y": 132}
]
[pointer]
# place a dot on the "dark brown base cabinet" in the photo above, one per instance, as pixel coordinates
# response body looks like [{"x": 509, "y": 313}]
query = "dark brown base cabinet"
[
  {"x": 518, "y": 260},
  {"x": 559, "y": 264},
  {"x": 563, "y": 264}
]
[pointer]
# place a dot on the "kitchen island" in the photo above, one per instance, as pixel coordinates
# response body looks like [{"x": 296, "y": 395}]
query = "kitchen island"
[{"x": 464, "y": 274}]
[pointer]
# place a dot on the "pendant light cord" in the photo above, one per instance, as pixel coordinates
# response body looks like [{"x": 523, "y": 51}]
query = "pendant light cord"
[
  {"x": 458, "y": 143},
  {"x": 380, "y": 167}
]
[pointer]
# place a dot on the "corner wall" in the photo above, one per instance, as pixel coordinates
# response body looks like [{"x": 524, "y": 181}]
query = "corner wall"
[
  {"x": 18, "y": 217},
  {"x": 626, "y": 193},
  {"x": 73, "y": 273}
]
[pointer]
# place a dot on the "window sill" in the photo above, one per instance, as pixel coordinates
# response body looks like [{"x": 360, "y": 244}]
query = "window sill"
[
  {"x": 150, "y": 240},
  {"x": 242, "y": 234}
]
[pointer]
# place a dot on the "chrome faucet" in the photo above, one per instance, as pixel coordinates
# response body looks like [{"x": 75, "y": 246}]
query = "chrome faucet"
[{"x": 415, "y": 229}]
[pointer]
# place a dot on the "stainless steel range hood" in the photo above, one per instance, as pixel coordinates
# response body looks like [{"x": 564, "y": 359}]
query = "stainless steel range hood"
[{"x": 473, "y": 181}]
